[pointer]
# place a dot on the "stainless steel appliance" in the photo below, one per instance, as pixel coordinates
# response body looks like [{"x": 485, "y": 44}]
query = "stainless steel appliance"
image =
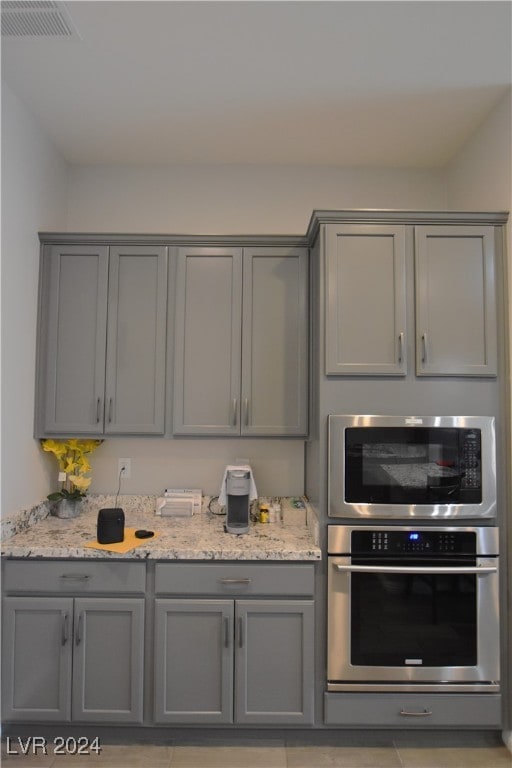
[
  {"x": 412, "y": 467},
  {"x": 238, "y": 486},
  {"x": 413, "y": 609}
]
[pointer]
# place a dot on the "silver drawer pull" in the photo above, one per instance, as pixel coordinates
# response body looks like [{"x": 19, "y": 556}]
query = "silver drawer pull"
[
  {"x": 65, "y": 623},
  {"x": 78, "y": 635},
  {"x": 424, "y": 347},
  {"x": 235, "y": 581},
  {"x": 425, "y": 713},
  {"x": 75, "y": 576},
  {"x": 400, "y": 347}
]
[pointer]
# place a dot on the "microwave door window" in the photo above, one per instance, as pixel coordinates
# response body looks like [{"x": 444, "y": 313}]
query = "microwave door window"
[{"x": 402, "y": 466}]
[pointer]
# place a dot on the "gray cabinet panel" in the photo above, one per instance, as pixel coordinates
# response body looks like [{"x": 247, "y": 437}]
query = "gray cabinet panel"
[
  {"x": 207, "y": 341},
  {"x": 455, "y": 301},
  {"x": 274, "y": 662},
  {"x": 366, "y": 299},
  {"x": 136, "y": 339},
  {"x": 229, "y": 579},
  {"x": 67, "y": 658},
  {"x": 409, "y": 710},
  {"x": 37, "y": 658},
  {"x": 74, "y": 318},
  {"x": 108, "y": 660},
  {"x": 73, "y": 576},
  {"x": 275, "y": 341},
  {"x": 193, "y": 661}
]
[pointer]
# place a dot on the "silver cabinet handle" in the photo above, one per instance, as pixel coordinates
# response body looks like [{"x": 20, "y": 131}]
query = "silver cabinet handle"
[
  {"x": 478, "y": 570},
  {"x": 78, "y": 635},
  {"x": 65, "y": 627},
  {"x": 400, "y": 347},
  {"x": 425, "y": 713},
  {"x": 110, "y": 411},
  {"x": 235, "y": 581},
  {"x": 424, "y": 343},
  {"x": 226, "y": 632},
  {"x": 75, "y": 576},
  {"x": 246, "y": 411},
  {"x": 98, "y": 403},
  {"x": 234, "y": 412},
  {"x": 240, "y": 632}
]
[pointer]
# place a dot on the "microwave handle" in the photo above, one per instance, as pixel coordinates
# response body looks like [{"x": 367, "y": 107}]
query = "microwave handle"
[{"x": 478, "y": 570}]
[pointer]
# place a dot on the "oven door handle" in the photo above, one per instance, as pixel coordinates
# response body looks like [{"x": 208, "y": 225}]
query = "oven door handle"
[{"x": 481, "y": 570}]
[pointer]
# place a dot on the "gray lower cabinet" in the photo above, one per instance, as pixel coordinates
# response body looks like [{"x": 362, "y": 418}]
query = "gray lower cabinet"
[
  {"x": 371, "y": 305},
  {"x": 413, "y": 710},
  {"x": 101, "y": 340},
  {"x": 241, "y": 341},
  {"x": 77, "y": 659},
  {"x": 242, "y": 661}
]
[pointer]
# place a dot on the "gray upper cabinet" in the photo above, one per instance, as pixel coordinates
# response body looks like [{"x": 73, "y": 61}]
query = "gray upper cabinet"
[
  {"x": 371, "y": 305},
  {"x": 101, "y": 340},
  {"x": 366, "y": 299},
  {"x": 455, "y": 301},
  {"x": 207, "y": 350},
  {"x": 241, "y": 341},
  {"x": 136, "y": 339},
  {"x": 72, "y": 339}
]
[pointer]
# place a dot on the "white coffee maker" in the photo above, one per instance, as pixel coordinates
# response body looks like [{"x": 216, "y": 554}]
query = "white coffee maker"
[{"x": 237, "y": 491}]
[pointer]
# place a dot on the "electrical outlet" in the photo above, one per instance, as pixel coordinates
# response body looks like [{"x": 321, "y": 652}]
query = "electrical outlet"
[{"x": 125, "y": 468}]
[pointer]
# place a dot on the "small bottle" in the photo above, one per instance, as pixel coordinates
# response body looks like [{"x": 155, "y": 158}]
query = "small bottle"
[{"x": 264, "y": 515}]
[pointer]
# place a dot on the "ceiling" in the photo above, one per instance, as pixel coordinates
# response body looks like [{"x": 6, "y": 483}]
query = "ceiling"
[{"x": 376, "y": 84}]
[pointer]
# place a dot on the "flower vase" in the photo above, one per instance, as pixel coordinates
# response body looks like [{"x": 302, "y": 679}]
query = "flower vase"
[{"x": 67, "y": 508}]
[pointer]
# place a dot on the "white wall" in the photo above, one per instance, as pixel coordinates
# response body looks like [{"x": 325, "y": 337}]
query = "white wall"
[
  {"x": 479, "y": 178},
  {"x": 34, "y": 184},
  {"x": 247, "y": 199}
]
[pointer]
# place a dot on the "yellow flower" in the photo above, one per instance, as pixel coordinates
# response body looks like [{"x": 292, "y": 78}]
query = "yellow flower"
[
  {"x": 70, "y": 455},
  {"x": 80, "y": 482}
]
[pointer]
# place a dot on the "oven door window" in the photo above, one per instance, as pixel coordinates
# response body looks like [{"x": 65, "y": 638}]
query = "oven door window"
[
  {"x": 413, "y": 620},
  {"x": 412, "y": 465}
]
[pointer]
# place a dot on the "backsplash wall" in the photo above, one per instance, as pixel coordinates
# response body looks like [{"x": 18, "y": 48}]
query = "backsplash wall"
[{"x": 278, "y": 465}]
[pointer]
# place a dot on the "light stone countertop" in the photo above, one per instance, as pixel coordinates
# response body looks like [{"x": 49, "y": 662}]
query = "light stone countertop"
[{"x": 200, "y": 537}]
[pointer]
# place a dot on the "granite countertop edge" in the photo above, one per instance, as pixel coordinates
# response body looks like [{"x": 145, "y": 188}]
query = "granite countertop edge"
[{"x": 39, "y": 535}]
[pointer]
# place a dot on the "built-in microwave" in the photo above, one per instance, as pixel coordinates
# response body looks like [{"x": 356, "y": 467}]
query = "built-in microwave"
[{"x": 437, "y": 467}]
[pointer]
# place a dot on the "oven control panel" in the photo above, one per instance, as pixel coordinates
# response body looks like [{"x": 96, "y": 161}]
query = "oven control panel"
[{"x": 413, "y": 542}]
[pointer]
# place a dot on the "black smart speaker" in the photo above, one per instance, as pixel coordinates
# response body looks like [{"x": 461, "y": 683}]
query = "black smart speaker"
[{"x": 110, "y": 526}]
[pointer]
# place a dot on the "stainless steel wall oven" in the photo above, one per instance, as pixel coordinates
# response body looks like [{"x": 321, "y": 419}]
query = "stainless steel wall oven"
[{"x": 413, "y": 609}]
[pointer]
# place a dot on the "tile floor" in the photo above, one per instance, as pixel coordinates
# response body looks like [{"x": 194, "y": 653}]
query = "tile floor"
[{"x": 347, "y": 750}]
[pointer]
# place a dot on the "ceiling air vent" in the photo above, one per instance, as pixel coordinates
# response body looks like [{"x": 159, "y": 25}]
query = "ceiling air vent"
[{"x": 36, "y": 19}]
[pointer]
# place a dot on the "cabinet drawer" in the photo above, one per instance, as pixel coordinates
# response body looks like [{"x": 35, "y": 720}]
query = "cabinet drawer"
[
  {"x": 412, "y": 710},
  {"x": 73, "y": 576},
  {"x": 232, "y": 579}
]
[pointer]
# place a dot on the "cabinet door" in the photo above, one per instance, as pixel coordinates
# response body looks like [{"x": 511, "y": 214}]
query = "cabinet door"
[
  {"x": 108, "y": 660},
  {"x": 365, "y": 289},
  {"x": 72, "y": 338},
  {"x": 136, "y": 340},
  {"x": 275, "y": 341},
  {"x": 274, "y": 662},
  {"x": 455, "y": 301},
  {"x": 36, "y": 658},
  {"x": 194, "y": 661},
  {"x": 207, "y": 341}
]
